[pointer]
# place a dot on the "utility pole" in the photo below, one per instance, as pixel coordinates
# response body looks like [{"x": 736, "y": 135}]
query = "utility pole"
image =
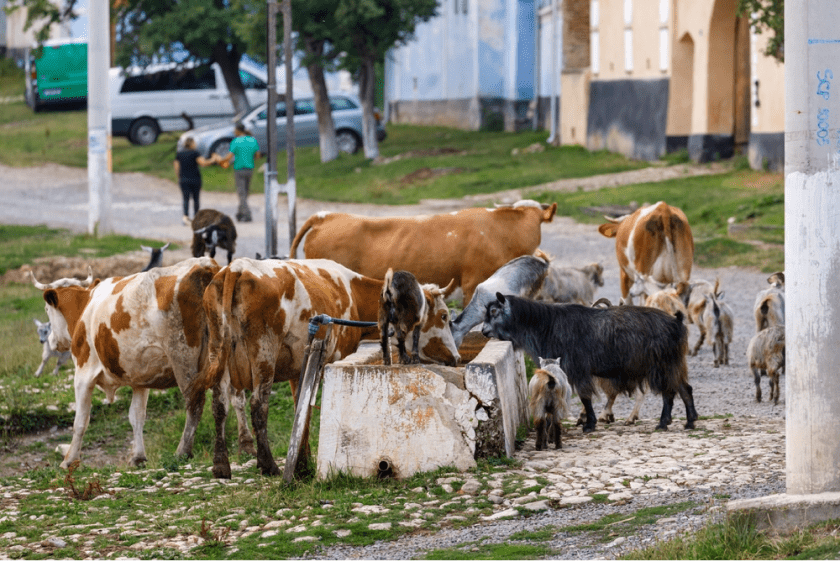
[
  {"x": 291, "y": 188},
  {"x": 271, "y": 186},
  {"x": 99, "y": 119},
  {"x": 812, "y": 245},
  {"x": 554, "y": 138},
  {"x": 812, "y": 262}
]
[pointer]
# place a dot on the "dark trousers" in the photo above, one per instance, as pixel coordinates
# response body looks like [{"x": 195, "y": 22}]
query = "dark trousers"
[{"x": 190, "y": 190}]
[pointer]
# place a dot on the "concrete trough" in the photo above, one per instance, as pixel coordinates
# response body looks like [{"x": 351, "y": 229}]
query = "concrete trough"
[{"x": 394, "y": 421}]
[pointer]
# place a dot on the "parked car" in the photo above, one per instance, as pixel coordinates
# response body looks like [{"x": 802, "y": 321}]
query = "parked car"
[
  {"x": 162, "y": 98},
  {"x": 347, "y": 118}
]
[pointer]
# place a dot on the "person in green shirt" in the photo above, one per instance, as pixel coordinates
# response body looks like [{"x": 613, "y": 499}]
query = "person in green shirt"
[{"x": 243, "y": 150}]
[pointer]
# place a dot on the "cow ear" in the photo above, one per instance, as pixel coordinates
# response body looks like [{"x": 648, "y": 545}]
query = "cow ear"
[
  {"x": 500, "y": 297},
  {"x": 51, "y": 297},
  {"x": 609, "y": 229}
]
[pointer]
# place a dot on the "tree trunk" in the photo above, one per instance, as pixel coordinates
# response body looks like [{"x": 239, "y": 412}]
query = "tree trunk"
[
  {"x": 228, "y": 61},
  {"x": 367, "y": 79},
  {"x": 326, "y": 126}
]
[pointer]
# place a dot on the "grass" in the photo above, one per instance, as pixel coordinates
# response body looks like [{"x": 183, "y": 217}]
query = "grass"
[{"x": 754, "y": 199}]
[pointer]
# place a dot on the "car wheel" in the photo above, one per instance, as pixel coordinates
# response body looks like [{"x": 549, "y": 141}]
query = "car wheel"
[
  {"x": 221, "y": 147},
  {"x": 143, "y": 132},
  {"x": 348, "y": 141}
]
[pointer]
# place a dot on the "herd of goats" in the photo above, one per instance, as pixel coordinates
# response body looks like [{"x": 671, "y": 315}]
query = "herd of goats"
[{"x": 491, "y": 259}]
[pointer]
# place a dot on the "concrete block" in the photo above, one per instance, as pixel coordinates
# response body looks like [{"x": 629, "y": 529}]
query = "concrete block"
[
  {"x": 410, "y": 418},
  {"x": 785, "y": 513}
]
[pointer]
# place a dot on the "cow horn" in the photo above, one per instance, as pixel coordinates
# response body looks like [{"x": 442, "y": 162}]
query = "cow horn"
[
  {"x": 618, "y": 220},
  {"x": 85, "y": 283},
  {"x": 35, "y": 282}
]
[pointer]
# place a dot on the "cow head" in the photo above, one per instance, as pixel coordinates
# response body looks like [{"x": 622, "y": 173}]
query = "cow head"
[
  {"x": 65, "y": 300},
  {"x": 436, "y": 341}
]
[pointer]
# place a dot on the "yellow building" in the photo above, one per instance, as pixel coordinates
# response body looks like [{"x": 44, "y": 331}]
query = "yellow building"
[{"x": 646, "y": 77}]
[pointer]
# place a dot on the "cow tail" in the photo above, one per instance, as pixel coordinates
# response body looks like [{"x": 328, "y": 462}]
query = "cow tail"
[
  {"x": 217, "y": 306},
  {"x": 308, "y": 225}
]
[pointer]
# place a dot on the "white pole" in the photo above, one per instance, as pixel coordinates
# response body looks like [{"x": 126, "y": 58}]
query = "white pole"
[
  {"x": 812, "y": 246},
  {"x": 554, "y": 74},
  {"x": 99, "y": 118}
]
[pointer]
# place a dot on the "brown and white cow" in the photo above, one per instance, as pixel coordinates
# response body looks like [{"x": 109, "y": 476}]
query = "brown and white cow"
[
  {"x": 468, "y": 245},
  {"x": 654, "y": 241},
  {"x": 258, "y": 314},
  {"x": 146, "y": 331}
]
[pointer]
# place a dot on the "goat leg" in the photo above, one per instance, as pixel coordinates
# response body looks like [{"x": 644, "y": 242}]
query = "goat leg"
[
  {"x": 404, "y": 356},
  {"x": 757, "y": 378},
  {"x": 386, "y": 345},
  {"x": 415, "y": 354}
]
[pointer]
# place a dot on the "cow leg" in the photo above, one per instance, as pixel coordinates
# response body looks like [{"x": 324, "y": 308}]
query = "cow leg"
[
  {"x": 195, "y": 407},
  {"x": 634, "y": 415},
  {"x": 667, "y": 406},
  {"x": 221, "y": 463},
  {"x": 687, "y": 395},
  {"x": 246, "y": 440},
  {"x": 590, "y": 423},
  {"x": 757, "y": 378},
  {"x": 137, "y": 418},
  {"x": 259, "y": 420},
  {"x": 83, "y": 386}
]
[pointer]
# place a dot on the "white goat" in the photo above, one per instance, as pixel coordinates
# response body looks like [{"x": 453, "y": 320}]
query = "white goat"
[
  {"x": 49, "y": 352},
  {"x": 566, "y": 284},
  {"x": 550, "y": 393}
]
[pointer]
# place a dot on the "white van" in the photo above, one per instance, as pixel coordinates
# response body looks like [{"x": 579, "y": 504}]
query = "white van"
[{"x": 162, "y": 98}]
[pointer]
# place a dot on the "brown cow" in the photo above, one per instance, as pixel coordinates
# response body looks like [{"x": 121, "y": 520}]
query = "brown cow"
[
  {"x": 146, "y": 331},
  {"x": 468, "y": 245},
  {"x": 258, "y": 314},
  {"x": 654, "y": 241}
]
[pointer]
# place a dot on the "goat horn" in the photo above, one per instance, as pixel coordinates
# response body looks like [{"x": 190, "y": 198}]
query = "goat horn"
[
  {"x": 600, "y": 301},
  {"x": 164, "y": 247},
  {"x": 89, "y": 279}
]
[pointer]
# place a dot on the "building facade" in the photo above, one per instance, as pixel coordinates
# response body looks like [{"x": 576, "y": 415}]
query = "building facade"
[{"x": 638, "y": 77}]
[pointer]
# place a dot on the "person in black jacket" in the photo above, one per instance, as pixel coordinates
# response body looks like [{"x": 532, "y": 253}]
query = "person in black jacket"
[{"x": 187, "y": 162}]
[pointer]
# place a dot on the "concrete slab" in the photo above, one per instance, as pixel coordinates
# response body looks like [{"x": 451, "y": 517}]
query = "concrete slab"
[
  {"x": 785, "y": 513},
  {"x": 401, "y": 419}
]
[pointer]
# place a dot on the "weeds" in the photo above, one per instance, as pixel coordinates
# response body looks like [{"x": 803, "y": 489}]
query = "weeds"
[{"x": 88, "y": 491}]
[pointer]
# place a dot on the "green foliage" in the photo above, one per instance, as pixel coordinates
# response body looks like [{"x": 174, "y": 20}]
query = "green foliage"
[{"x": 767, "y": 15}]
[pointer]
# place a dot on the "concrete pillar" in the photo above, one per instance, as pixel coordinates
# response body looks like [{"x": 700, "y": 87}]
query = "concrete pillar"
[
  {"x": 99, "y": 118},
  {"x": 812, "y": 245}
]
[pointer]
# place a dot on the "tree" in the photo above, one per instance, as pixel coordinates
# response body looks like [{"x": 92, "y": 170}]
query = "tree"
[
  {"x": 365, "y": 31},
  {"x": 767, "y": 15},
  {"x": 313, "y": 21},
  {"x": 205, "y": 30}
]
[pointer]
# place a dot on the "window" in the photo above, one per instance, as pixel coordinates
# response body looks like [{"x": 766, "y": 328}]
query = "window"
[
  {"x": 304, "y": 107},
  {"x": 281, "y": 111},
  {"x": 153, "y": 82},
  {"x": 341, "y": 103},
  {"x": 251, "y": 82},
  {"x": 201, "y": 78}
]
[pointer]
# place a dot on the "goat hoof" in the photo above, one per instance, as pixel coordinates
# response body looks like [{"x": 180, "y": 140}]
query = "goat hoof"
[
  {"x": 689, "y": 425},
  {"x": 588, "y": 428},
  {"x": 662, "y": 426}
]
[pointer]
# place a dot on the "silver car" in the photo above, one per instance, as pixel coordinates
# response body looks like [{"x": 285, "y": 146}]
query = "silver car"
[{"x": 347, "y": 117}]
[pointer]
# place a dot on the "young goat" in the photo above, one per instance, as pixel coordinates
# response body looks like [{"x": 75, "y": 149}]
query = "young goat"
[
  {"x": 697, "y": 298},
  {"x": 766, "y": 356},
  {"x": 769, "y": 308},
  {"x": 49, "y": 352},
  {"x": 717, "y": 321},
  {"x": 568, "y": 285},
  {"x": 549, "y": 404},
  {"x": 212, "y": 229},
  {"x": 403, "y": 305}
]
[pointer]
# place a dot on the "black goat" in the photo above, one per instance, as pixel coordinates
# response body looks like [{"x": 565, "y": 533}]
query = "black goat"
[
  {"x": 212, "y": 229},
  {"x": 156, "y": 256},
  {"x": 629, "y": 345}
]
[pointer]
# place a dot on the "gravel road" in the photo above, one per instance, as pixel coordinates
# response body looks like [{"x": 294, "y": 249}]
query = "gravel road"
[{"x": 751, "y": 432}]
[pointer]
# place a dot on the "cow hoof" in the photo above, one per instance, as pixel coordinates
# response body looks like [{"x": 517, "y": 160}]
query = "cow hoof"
[
  {"x": 247, "y": 448},
  {"x": 221, "y": 472},
  {"x": 138, "y": 461}
]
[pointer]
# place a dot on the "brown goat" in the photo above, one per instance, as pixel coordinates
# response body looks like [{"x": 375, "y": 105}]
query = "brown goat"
[
  {"x": 769, "y": 308},
  {"x": 766, "y": 355},
  {"x": 403, "y": 305},
  {"x": 549, "y": 402},
  {"x": 212, "y": 229}
]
